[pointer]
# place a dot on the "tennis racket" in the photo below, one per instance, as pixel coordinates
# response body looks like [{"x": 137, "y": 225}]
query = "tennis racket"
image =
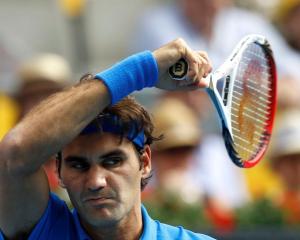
[{"x": 246, "y": 101}]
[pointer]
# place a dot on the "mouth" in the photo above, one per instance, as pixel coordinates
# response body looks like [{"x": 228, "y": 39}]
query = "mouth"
[{"x": 98, "y": 201}]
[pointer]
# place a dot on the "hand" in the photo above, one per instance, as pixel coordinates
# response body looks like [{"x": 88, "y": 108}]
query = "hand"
[{"x": 168, "y": 55}]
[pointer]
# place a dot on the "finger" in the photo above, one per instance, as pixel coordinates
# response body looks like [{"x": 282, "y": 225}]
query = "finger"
[
  {"x": 202, "y": 67},
  {"x": 203, "y": 83},
  {"x": 196, "y": 71},
  {"x": 207, "y": 64},
  {"x": 198, "y": 62},
  {"x": 204, "y": 55},
  {"x": 193, "y": 61}
]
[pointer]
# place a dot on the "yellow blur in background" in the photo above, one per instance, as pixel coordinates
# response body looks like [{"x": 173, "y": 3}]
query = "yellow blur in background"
[
  {"x": 72, "y": 8},
  {"x": 9, "y": 113}
]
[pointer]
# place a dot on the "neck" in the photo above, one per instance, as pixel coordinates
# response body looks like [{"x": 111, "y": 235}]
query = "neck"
[{"x": 128, "y": 228}]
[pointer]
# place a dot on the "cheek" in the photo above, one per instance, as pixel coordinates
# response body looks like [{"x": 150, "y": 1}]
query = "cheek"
[
  {"x": 72, "y": 182},
  {"x": 75, "y": 189},
  {"x": 129, "y": 182}
]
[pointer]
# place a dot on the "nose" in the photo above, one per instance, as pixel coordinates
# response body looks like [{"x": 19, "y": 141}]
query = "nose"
[{"x": 95, "y": 179}]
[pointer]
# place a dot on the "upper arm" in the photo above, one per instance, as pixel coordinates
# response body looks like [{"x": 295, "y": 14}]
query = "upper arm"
[
  {"x": 23, "y": 198},
  {"x": 24, "y": 189}
]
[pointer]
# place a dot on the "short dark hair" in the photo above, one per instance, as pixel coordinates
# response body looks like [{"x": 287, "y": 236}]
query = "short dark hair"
[{"x": 130, "y": 115}]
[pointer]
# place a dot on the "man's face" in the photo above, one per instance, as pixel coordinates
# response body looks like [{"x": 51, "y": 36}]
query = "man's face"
[
  {"x": 171, "y": 163},
  {"x": 288, "y": 168},
  {"x": 103, "y": 177},
  {"x": 201, "y": 13},
  {"x": 33, "y": 93},
  {"x": 291, "y": 27}
]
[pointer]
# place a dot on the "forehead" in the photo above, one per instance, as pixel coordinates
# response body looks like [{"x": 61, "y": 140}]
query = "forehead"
[{"x": 96, "y": 143}]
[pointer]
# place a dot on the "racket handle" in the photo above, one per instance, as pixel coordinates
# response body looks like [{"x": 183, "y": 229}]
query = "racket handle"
[{"x": 179, "y": 70}]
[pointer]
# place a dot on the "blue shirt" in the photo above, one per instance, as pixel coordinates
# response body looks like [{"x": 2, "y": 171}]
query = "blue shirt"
[{"x": 59, "y": 223}]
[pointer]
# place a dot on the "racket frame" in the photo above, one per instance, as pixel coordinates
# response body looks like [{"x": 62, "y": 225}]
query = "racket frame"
[{"x": 227, "y": 72}]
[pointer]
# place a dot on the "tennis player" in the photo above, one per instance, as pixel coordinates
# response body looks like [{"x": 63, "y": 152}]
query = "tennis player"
[{"x": 103, "y": 143}]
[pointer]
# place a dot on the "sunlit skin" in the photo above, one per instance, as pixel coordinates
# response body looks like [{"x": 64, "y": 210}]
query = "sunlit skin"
[
  {"x": 290, "y": 27},
  {"x": 201, "y": 13},
  {"x": 288, "y": 168},
  {"x": 172, "y": 160},
  {"x": 102, "y": 176}
]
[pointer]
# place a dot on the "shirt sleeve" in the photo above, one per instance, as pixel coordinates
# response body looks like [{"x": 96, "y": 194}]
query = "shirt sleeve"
[{"x": 56, "y": 222}]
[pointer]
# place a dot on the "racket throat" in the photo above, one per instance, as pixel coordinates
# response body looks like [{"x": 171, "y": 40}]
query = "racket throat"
[{"x": 219, "y": 105}]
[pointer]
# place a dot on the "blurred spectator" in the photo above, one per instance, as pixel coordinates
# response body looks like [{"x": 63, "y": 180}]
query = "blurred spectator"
[
  {"x": 40, "y": 77},
  {"x": 217, "y": 174},
  {"x": 285, "y": 159},
  {"x": 213, "y": 25},
  {"x": 217, "y": 26},
  {"x": 8, "y": 107},
  {"x": 181, "y": 170},
  {"x": 10, "y": 57},
  {"x": 287, "y": 18},
  {"x": 173, "y": 156}
]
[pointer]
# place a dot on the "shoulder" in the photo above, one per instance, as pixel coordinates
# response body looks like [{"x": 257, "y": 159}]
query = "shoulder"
[
  {"x": 166, "y": 231},
  {"x": 54, "y": 222},
  {"x": 57, "y": 207},
  {"x": 170, "y": 232},
  {"x": 59, "y": 216},
  {"x": 155, "y": 230}
]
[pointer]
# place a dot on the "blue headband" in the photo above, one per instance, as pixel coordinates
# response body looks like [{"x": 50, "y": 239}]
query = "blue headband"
[{"x": 111, "y": 124}]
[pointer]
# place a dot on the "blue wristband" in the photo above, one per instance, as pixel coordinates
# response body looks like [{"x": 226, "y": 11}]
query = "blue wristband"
[{"x": 133, "y": 73}]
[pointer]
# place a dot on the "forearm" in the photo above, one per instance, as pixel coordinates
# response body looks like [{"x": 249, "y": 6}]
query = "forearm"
[
  {"x": 60, "y": 118},
  {"x": 52, "y": 124}
]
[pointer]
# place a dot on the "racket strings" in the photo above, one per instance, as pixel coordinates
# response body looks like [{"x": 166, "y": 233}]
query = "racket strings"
[{"x": 250, "y": 104}]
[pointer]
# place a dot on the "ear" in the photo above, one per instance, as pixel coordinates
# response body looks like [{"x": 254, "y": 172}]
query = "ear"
[{"x": 146, "y": 160}]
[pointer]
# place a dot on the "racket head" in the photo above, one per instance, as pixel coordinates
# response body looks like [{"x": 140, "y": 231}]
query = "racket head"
[{"x": 249, "y": 96}]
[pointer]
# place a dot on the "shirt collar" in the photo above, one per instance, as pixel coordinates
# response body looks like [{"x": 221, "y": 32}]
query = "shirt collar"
[
  {"x": 80, "y": 231},
  {"x": 149, "y": 226}
]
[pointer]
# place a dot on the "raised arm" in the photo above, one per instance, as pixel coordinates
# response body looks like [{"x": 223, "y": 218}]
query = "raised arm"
[
  {"x": 44, "y": 131},
  {"x": 51, "y": 125},
  {"x": 61, "y": 117}
]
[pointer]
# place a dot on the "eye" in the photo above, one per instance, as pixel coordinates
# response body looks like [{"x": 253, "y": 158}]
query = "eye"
[
  {"x": 112, "y": 161},
  {"x": 79, "y": 165}
]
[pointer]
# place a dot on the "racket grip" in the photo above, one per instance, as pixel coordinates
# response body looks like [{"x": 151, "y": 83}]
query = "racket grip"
[{"x": 179, "y": 70}]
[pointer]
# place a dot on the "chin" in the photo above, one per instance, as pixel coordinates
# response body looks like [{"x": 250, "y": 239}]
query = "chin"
[
  {"x": 101, "y": 221},
  {"x": 104, "y": 216}
]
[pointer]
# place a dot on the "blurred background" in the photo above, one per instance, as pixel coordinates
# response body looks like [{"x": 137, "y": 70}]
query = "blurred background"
[{"x": 48, "y": 45}]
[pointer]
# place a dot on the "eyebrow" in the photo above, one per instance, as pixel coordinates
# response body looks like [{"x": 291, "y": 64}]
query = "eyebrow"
[
  {"x": 74, "y": 158},
  {"x": 113, "y": 153}
]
